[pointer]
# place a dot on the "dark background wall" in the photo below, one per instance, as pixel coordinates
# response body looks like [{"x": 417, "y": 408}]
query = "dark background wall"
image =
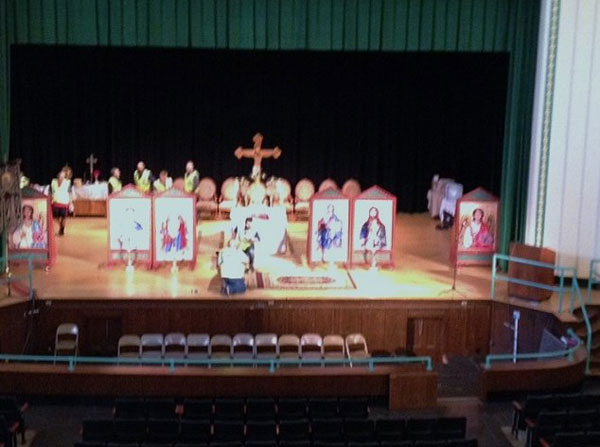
[{"x": 392, "y": 119}]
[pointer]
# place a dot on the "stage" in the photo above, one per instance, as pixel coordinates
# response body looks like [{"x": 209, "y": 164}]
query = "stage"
[{"x": 422, "y": 269}]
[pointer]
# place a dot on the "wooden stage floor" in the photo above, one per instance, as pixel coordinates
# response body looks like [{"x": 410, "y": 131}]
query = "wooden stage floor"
[{"x": 422, "y": 269}]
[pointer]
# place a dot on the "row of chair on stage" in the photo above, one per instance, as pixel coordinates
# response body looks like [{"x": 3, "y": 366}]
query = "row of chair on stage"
[
  {"x": 276, "y": 192},
  {"x": 243, "y": 346}
]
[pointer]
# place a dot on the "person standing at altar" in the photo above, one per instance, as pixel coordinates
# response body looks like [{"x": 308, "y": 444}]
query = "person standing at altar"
[
  {"x": 142, "y": 177},
  {"x": 164, "y": 182},
  {"x": 191, "y": 177},
  {"x": 61, "y": 199},
  {"x": 114, "y": 182},
  {"x": 248, "y": 237}
]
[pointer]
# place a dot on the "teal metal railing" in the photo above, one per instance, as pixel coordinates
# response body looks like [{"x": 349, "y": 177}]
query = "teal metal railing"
[
  {"x": 538, "y": 355},
  {"x": 9, "y": 278},
  {"x": 561, "y": 289},
  {"x": 173, "y": 363},
  {"x": 594, "y": 277}
]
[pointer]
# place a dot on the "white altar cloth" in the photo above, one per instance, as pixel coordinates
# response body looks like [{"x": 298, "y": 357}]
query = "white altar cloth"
[{"x": 269, "y": 222}]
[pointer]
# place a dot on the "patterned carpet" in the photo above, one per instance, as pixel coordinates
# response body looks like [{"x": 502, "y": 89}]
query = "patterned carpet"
[{"x": 309, "y": 280}]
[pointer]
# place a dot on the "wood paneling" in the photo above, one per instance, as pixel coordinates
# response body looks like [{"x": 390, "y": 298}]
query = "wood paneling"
[
  {"x": 14, "y": 325},
  {"x": 407, "y": 387},
  {"x": 531, "y": 273},
  {"x": 385, "y": 323}
]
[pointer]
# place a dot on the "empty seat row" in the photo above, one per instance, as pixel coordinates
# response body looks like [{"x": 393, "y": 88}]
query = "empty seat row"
[
  {"x": 307, "y": 443},
  {"x": 533, "y": 405},
  {"x": 250, "y": 409},
  {"x": 243, "y": 346},
  {"x": 331, "y": 430},
  {"x": 572, "y": 439},
  {"x": 548, "y": 423}
]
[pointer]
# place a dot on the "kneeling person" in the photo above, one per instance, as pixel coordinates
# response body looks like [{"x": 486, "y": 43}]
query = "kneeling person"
[{"x": 232, "y": 265}]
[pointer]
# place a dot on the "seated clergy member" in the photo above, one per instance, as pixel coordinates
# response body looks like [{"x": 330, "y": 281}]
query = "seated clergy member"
[
  {"x": 232, "y": 266},
  {"x": 142, "y": 177},
  {"x": 163, "y": 182},
  {"x": 191, "y": 177},
  {"x": 114, "y": 182}
]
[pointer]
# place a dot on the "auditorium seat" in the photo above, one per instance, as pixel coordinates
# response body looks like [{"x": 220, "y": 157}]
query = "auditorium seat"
[
  {"x": 323, "y": 407},
  {"x": 97, "y": 430},
  {"x": 297, "y": 443},
  {"x": 197, "y": 346},
  {"x": 354, "y": 407},
  {"x": 420, "y": 428},
  {"x": 13, "y": 413},
  {"x": 195, "y": 431},
  {"x": 293, "y": 430},
  {"x": 161, "y": 408},
  {"x": 228, "y": 430},
  {"x": 260, "y": 431},
  {"x": 450, "y": 427},
  {"x": 163, "y": 430},
  {"x": 327, "y": 184},
  {"x": 84, "y": 444},
  {"x": 130, "y": 430},
  {"x": 329, "y": 429},
  {"x": 390, "y": 430},
  {"x": 152, "y": 346},
  {"x": 197, "y": 409},
  {"x": 265, "y": 346},
  {"x": 351, "y": 188},
  {"x": 206, "y": 194},
  {"x": 261, "y": 409},
  {"x": 66, "y": 341},
  {"x": 220, "y": 346},
  {"x": 129, "y": 346},
  {"x": 311, "y": 346},
  {"x": 289, "y": 346},
  {"x": 304, "y": 190},
  {"x": 175, "y": 344},
  {"x": 229, "y": 409},
  {"x": 333, "y": 347},
  {"x": 359, "y": 430},
  {"x": 130, "y": 408},
  {"x": 291, "y": 409},
  {"x": 242, "y": 346}
]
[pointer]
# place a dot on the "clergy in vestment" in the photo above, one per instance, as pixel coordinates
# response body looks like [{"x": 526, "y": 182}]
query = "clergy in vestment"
[
  {"x": 191, "y": 177},
  {"x": 142, "y": 177}
]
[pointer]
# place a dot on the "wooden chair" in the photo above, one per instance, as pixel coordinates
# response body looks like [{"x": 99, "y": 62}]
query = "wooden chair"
[
  {"x": 351, "y": 188},
  {"x": 206, "y": 194},
  {"x": 305, "y": 189},
  {"x": 230, "y": 192},
  {"x": 328, "y": 183}
]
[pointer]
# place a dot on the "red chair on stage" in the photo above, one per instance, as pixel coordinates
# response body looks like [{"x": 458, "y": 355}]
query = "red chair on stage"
[
  {"x": 305, "y": 189},
  {"x": 206, "y": 194},
  {"x": 351, "y": 188},
  {"x": 328, "y": 183},
  {"x": 230, "y": 193}
]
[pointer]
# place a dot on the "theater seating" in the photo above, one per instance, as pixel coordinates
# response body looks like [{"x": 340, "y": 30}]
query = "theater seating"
[
  {"x": 545, "y": 417},
  {"x": 265, "y": 422}
]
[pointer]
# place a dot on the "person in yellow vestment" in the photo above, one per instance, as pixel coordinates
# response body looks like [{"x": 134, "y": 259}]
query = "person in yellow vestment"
[
  {"x": 142, "y": 177},
  {"x": 114, "y": 182},
  {"x": 164, "y": 182},
  {"x": 191, "y": 177}
]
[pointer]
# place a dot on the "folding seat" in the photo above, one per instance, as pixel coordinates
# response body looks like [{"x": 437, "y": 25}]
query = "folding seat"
[
  {"x": 291, "y": 408},
  {"x": 129, "y": 346},
  {"x": 356, "y": 347},
  {"x": 130, "y": 430},
  {"x": 327, "y": 430},
  {"x": 333, "y": 348},
  {"x": 390, "y": 430},
  {"x": 220, "y": 346},
  {"x": 242, "y": 346},
  {"x": 175, "y": 345},
  {"x": 197, "y": 409},
  {"x": 130, "y": 408},
  {"x": 311, "y": 347},
  {"x": 359, "y": 430},
  {"x": 66, "y": 340},
  {"x": 294, "y": 430},
  {"x": 197, "y": 347},
  {"x": 420, "y": 428},
  {"x": 160, "y": 408},
  {"x": 289, "y": 347},
  {"x": 323, "y": 408},
  {"x": 228, "y": 430},
  {"x": 152, "y": 346},
  {"x": 265, "y": 346},
  {"x": 194, "y": 431},
  {"x": 97, "y": 430},
  {"x": 260, "y": 431},
  {"x": 354, "y": 407},
  {"x": 260, "y": 409},
  {"x": 163, "y": 430},
  {"x": 229, "y": 409},
  {"x": 450, "y": 428}
]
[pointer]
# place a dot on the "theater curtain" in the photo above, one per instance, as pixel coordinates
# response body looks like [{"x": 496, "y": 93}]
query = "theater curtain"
[{"x": 349, "y": 25}]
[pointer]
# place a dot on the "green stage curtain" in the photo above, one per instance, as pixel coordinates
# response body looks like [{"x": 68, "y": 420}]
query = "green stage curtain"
[{"x": 349, "y": 25}]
